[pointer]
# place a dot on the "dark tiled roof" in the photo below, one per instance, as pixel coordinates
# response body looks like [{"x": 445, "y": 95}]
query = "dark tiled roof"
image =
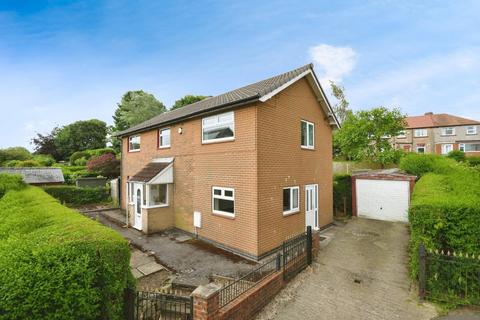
[
  {"x": 430, "y": 120},
  {"x": 246, "y": 94},
  {"x": 149, "y": 171},
  {"x": 37, "y": 175}
]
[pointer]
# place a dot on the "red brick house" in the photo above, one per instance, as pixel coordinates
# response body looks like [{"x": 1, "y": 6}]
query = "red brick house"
[{"x": 242, "y": 170}]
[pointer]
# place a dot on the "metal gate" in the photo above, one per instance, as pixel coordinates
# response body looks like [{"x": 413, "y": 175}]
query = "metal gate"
[
  {"x": 142, "y": 305},
  {"x": 297, "y": 254}
]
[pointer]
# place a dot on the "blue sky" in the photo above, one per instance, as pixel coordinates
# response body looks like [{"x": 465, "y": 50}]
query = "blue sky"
[{"x": 62, "y": 61}]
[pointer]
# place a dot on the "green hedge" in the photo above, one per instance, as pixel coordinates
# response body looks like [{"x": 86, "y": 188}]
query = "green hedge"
[
  {"x": 473, "y": 161},
  {"x": 444, "y": 215},
  {"x": 342, "y": 193},
  {"x": 10, "y": 182},
  {"x": 77, "y": 196},
  {"x": 420, "y": 164},
  {"x": 57, "y": 264}
]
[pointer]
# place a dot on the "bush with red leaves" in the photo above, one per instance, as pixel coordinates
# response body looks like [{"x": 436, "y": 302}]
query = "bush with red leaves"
[{"x": 106, "y": 165}]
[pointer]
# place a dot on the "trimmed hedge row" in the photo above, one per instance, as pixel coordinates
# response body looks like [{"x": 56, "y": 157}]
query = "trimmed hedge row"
[
  {"x": 444, "y": 215},
  {"x": 78, "y": 196},
  {"x": 342, "y": 193},
  {"x": 10, "y": 182},
  {"x": 57, "y": 264},
  {"x": 420, "y": 164}
]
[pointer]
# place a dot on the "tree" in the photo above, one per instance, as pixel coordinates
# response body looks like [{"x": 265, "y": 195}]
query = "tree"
[
  {"x": 186, "y": 100},
  {"x": 365, "y": 135},
  {"x": 341, "y": 107},
  {"x": 106, "y": 165},
  {"x": 14, "y": 153},
  {"x": 79, "y": 136},
  {"x": 134, "y": 108},
  {"x": 45, "y": 144}
]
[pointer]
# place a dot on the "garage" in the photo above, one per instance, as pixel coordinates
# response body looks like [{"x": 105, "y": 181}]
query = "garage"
[{"x": 382, "y": 194}]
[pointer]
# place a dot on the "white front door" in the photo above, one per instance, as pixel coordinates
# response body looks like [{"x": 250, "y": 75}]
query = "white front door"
[
  {"x": 138, "y": 200},
  {"x": 311, "y": 205}
]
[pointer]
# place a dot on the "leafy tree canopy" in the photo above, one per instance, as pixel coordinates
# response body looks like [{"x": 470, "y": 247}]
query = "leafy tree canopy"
[
  {"x": 79, "y": 136},
  {"x": 136, "y": 107},
  {"x": 186, "y": 100},
  {"x": 14, "y": 153},
  {"x": 45, "y": 144},
  {"x": 365, "y": 135},
  {"x": 341, "y": 108}
]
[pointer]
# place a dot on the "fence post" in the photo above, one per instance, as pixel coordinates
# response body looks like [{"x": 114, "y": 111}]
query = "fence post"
[
  {"x": 422, "y": 263},
  {"x": 129, "y": 303},
  {"x": 309, "y": 245},
  {"x": 278, "y": 262}
]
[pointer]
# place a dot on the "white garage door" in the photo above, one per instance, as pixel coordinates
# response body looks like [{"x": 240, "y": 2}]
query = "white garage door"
[{"x": 383, "y": 199}]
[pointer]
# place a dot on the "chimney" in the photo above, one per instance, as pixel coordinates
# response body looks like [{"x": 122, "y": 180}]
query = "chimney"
[{"x": 429, "y": 113}]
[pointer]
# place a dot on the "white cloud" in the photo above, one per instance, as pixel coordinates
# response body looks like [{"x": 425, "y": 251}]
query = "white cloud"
[{"x": 334, "y": 62}]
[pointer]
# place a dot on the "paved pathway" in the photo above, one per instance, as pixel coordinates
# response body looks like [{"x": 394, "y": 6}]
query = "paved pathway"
[{"x": 360, "y": 274}]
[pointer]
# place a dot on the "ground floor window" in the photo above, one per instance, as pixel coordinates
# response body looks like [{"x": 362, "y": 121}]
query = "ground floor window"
[
  {"x": 446, "y": 148},
  {"x": 420, "y": 149},
  {"x": 223, "y": 201},
  {"x": 157, "y": 195},
  {"x": 470, "y": 147},
  {"x": 291, "y": 197}
]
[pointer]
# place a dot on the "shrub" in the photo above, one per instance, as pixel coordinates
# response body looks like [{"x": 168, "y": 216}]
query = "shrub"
[
  {"x": 342, "y": 193},
  {"x": 44, "y": 160},
  {"x": 106, "y": 165},
  {"x": 78, "y": 155},
  {"x": 11, "y": 163},
  {"x": 80, "y": 162},
  {"x": 473, "y": 161},
  {"x": 28, "y": 163},
  {"x": 87, "y": 154},
  {"x": 77, "y": 196},
  {"x": 57, "y": 264},
  {"x": 456, "y": 155},
  {"x": 444, "y": 215},
  {"x": 10, "y": 182},
  {"x": 420, "y": 164}
]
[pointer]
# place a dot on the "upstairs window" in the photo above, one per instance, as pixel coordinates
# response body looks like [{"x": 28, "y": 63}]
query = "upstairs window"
[
  {"x": 448, "y": 131},
  {"x": 307, "y": 134},
  {"x": 472, "y": 130},
  {"x": 291, "y": 196},
  {"x": 219, "y": 127},
  {"x": 134, "y": 143},
  {"x": 420, "y": 133},
  {"x": 164, "y": 138},
  {"x": 402, "y": 134},
  {"x": 223, "y": 201}
]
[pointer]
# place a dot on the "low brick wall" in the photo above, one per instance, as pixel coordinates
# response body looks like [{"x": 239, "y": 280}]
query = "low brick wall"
[{"x": 245, "y": 306}]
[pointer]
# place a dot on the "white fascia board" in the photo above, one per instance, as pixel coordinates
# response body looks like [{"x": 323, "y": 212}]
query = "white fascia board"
[
  {"x": 318, "y": 89},
  {"x": 164, "y": 176},
  {"x": 163, "y": 160}
]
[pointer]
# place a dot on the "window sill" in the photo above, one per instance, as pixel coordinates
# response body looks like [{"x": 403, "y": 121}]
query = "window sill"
[
  {"x": 218, "y": 140},
  {"x": 164, "y": 147},
  {"x": 158, "y": 206},
  {"x": 447, "y": 135},
  {"x": 224, "y": 214},
  {"x": 132, "y": 151},
  {"x": 471, "y": 134},
  {"x": 289, "y": 213},
  {"x": 307, "y": 148}
]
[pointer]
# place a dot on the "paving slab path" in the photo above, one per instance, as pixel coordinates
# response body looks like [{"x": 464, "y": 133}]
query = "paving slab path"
[{"x": 361, "y": 274}]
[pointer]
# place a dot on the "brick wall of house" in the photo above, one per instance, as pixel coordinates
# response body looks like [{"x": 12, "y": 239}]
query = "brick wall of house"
[
  {"x": 282, "y": 162},
  {"x": 198, "y": 167}
]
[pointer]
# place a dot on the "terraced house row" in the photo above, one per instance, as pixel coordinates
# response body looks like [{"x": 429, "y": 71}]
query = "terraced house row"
[
  {"x": 243, "y": 170},
  {"x": 440, "y": 134}
]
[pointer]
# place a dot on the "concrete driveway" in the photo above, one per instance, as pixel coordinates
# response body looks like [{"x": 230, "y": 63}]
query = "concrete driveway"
[{"x": 360, "y": 274}]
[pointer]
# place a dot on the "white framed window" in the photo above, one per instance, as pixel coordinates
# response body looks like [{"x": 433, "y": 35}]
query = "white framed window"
[
  {"x": 402, "y": 134},
  {"x": 420, "y": 133},
  {"x": 220, "y": 127},
  {"x": 223, "y": 201},
  {"x": 448, "y": 131},
  {"x": 134, "y": 143},
  {"x": 420, "y": 149},
  {"x": 469, "y": 147},
  {"x": 307, "y": 135},
  {"x": 164, "y": 138},
  {"x": 446, "y": 148},
  {"x": 291, "y": 200},
  {"x": 471, "y": 130},
  {"x": 157, "y": 195}
]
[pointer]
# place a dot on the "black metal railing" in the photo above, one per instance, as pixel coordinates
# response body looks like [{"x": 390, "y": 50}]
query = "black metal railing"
[
  {"x": 234, "y": 289},
  {"x": 297, "y": 254},
  {"x": 451, "y": 277},
  {"x": 142, "y": 305}
]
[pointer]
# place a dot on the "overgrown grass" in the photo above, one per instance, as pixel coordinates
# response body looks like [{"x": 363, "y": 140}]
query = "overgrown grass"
[{"x": 57, "y": 264}]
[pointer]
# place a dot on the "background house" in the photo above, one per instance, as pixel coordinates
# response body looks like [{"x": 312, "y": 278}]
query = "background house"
[
  {"x": 244, "y": 170},
  {"x": 440, "y": 134}
]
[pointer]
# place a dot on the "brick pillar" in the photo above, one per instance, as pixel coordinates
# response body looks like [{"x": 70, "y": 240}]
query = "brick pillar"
[
  {"x": 315, "y": 243},
  {"x": 205, "y": 302}
]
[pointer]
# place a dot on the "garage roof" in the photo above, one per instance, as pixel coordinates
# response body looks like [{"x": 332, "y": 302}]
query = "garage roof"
[{"x": 384, "y": 174}]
